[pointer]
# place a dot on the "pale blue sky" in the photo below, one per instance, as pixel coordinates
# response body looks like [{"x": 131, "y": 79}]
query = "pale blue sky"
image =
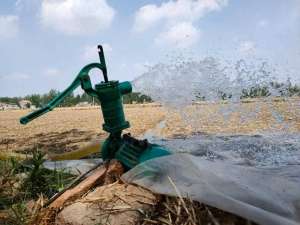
[{"x": 44, "y": 43}]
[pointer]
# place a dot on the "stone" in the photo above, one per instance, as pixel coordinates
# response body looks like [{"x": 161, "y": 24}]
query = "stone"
[{"x": 114, "y": 204}]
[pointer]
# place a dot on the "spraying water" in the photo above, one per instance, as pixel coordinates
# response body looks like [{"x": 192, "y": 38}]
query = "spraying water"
[
  {"x": 184, "y": 82},
  {"x": 211, "y": 91},
  {"x": 255, "y": 174}
]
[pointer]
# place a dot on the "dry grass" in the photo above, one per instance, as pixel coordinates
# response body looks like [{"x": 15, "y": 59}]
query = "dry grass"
[
  {"x": 170, "y": 211},
  {"x": 179, "y": 210},
  {"x": 184, "y": 211},
  {"x": 67, "y": 129}
]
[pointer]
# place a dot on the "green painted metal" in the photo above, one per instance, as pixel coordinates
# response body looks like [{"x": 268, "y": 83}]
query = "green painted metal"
[
  {"x": 126, "y": 149},
  {"x": 131, "y": 155},
  {"x": 110, "y": 97}
]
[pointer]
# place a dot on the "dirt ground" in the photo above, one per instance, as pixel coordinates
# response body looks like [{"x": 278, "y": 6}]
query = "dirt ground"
[{"x": 67, "y": 129}]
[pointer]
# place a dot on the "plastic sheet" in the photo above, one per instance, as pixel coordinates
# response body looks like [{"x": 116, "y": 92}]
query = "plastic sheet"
[
  {"x": 75, "y": 167},
  {"x": 269, "y": 196}
]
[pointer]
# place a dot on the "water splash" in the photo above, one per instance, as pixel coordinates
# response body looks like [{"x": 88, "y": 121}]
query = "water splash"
[
  {"x": 267, "y": 151},
  {"x": 183, "y": 82}
]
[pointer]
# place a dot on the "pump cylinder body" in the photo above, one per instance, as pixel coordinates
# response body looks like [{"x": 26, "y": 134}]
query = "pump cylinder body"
[{"x": 110, "y": 96}]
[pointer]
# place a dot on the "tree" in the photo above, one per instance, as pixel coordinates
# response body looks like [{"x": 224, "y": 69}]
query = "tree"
[
  {"x": 254, "y": 92},
  {"x": 136, "y": 97}
]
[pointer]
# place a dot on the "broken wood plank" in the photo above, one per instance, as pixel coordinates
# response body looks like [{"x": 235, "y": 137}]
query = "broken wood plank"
[{"x": 97, "y": 175}]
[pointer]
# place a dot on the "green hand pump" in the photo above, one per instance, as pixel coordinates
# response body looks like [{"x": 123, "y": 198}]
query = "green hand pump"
[{"x": 125, "y": 148}]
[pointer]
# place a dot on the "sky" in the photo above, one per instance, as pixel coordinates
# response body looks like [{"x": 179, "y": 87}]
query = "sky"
[{"x": 45, "y": 43}]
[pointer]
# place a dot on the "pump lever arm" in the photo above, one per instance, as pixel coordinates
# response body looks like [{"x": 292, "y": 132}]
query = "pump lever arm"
[
  {"x": 82, "y": 79},
  {"x": 52, "y": 104}
]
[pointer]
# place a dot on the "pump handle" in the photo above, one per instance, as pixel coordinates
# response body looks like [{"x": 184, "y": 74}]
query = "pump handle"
[
  {"x": 82, "y": 79},
  {"x": 102, "y": 62}
]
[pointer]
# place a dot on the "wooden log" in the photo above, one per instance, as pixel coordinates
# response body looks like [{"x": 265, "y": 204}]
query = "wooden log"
[
  {"x": 48, "y": 215},
  {"x": 73, "y": 193}
]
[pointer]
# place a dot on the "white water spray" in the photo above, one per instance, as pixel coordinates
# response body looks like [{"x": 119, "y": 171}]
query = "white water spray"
[{"x": 184, "y": 82}]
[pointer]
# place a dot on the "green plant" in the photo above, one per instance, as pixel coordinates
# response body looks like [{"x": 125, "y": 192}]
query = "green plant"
[
  {"x": 36, "y": 183},
  {"x": 33, "y": 180},
  {"x": 43, "y": 181},
  {"x": 8, "y": 170},
  {"x": 58, "y": 179}
]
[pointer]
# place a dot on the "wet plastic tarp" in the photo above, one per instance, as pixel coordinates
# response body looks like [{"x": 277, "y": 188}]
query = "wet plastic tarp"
[{"x": 269, "y": 196}]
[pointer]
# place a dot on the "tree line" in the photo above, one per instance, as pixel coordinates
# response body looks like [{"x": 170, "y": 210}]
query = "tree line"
[
  {"x": 280, "y": 89},
  {"x": 40, "y": 100}
]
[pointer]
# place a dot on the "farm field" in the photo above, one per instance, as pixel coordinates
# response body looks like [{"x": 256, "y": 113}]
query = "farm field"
[{"x": 67, "y": 129}]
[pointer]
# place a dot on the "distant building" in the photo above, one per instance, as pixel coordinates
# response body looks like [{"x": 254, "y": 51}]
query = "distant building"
[
  {"x": 25, "y": 104},
  {"x": 5, "y": 106}
]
